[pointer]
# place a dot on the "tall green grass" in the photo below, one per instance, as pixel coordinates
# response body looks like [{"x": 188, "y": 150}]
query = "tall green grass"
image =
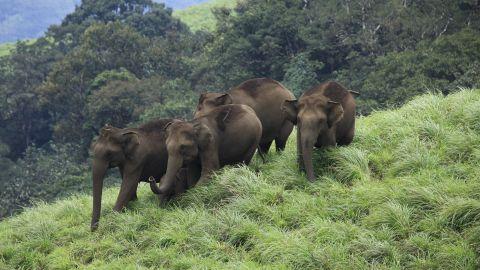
[{"x": 405, "y": 194}]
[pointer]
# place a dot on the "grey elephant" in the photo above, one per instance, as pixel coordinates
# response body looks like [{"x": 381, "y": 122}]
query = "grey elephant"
[
  {"x": 265, "y": 96},
  {"x": 324, "y": 116},
  {"x": 227, "y": 135},
  {"x": 140, "y": 154}
]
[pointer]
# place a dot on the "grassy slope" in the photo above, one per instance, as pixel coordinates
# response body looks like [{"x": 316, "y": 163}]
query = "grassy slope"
[
  {"x": 406, "y": 193},
  {"x": 200, "y": 17},
  {"x": 5, "y": 48}
]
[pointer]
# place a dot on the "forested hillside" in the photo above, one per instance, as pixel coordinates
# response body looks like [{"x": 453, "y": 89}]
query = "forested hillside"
[
  {"x": 404, "y": 195},
  {"x": 124, "y": 62}
]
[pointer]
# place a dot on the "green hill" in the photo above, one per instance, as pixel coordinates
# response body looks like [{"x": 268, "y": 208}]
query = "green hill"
[
  {"x": 405, "y": 194},
  {"x": 200, "y": 17},
  {"x": 5, "y": 48}
]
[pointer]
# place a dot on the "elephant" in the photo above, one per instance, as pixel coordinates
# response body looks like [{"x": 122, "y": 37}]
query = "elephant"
[
  {"x": 324, "y": 116},
  {"x": 140, "y": 154},
  {"x": 265, "y": 96},
  {"x": 228, "y": 135}
]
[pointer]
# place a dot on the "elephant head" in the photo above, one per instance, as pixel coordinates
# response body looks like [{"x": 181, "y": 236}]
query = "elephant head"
[
  {"x": 209, "y": 101},
  {"x": 113, "y": 147},
  {"x": 315, "y": 117},
  {"x": 188, "y": 143}
]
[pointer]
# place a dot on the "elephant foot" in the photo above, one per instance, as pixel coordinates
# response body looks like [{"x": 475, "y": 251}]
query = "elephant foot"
[
  {"x": 94, "y": 227},
  {"x": 119, "y": 209}
]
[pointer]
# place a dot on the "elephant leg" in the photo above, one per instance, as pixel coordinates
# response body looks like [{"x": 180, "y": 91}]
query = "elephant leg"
[
  {"x": 134, "y": 196},
  {"x": 262, "y": 155},
  {"x": 264, "y": 147},
  {"x": 281, "y": 140},
  {"x": 181, "y": 183},
  {"x": 348, "y": 138},
  {"x": 127, "y": 189},
  {"x": 193, "y": 174},
  {"x": 249, "y": 154}
]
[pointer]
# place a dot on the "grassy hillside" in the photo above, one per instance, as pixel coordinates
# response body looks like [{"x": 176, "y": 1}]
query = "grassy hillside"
[
  {"x": 200, "y": 17},
  {"x": 5, "y": 48},
  {"x": 405, "y": 194}
]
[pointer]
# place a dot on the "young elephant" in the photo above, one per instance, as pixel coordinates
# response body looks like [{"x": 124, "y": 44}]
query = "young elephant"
[
  {"x": 265, "y": 96},
  {"x": 325, "y": 116},
  {"x": 140, "y": 153},
  {"x": 228, "y": 135}
]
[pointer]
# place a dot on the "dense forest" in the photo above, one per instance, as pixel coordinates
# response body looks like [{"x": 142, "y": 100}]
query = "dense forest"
[{"x": 124, "y": 62}]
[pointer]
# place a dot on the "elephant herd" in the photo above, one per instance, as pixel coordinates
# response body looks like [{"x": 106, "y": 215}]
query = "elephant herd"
[{"x": 227, "y": 128}]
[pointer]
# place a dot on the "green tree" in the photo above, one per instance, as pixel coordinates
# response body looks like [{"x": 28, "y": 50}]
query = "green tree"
[
  {"x": 176, "y": 101},
  {"x": 104, "y": 47},
  {"x": 23, "y": 121},
  {"x": 300, "y": 74},
  {"x": 257, "y": 41},
  {"x": 145, "y": 16},
  {"x": 450, "y": 62}
]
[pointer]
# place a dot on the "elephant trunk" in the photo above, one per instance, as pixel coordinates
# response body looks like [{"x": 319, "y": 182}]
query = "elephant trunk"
[
  {"x": 168, "y": 180},
  {"x": 153, "y": 185},
  {"x": 99, "y": 169},
  {"x": 299, "y": 150},
  {"x": 307, "y": 149}
]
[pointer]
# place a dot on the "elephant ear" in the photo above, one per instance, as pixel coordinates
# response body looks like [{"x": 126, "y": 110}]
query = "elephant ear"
[
  {"x": 204, "y": 135},
  {"x": 130, "y": 142},
  {"x": 169, "y": 124},
  {"x": 202, "y": 97},
  {"x": 334, "y": 113},
  {"x": 222, "y": 118},
  {"x": 290, "y": 110},
  {"x": 224, "y": 99},
  {"x": 354, "y": 93}
]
